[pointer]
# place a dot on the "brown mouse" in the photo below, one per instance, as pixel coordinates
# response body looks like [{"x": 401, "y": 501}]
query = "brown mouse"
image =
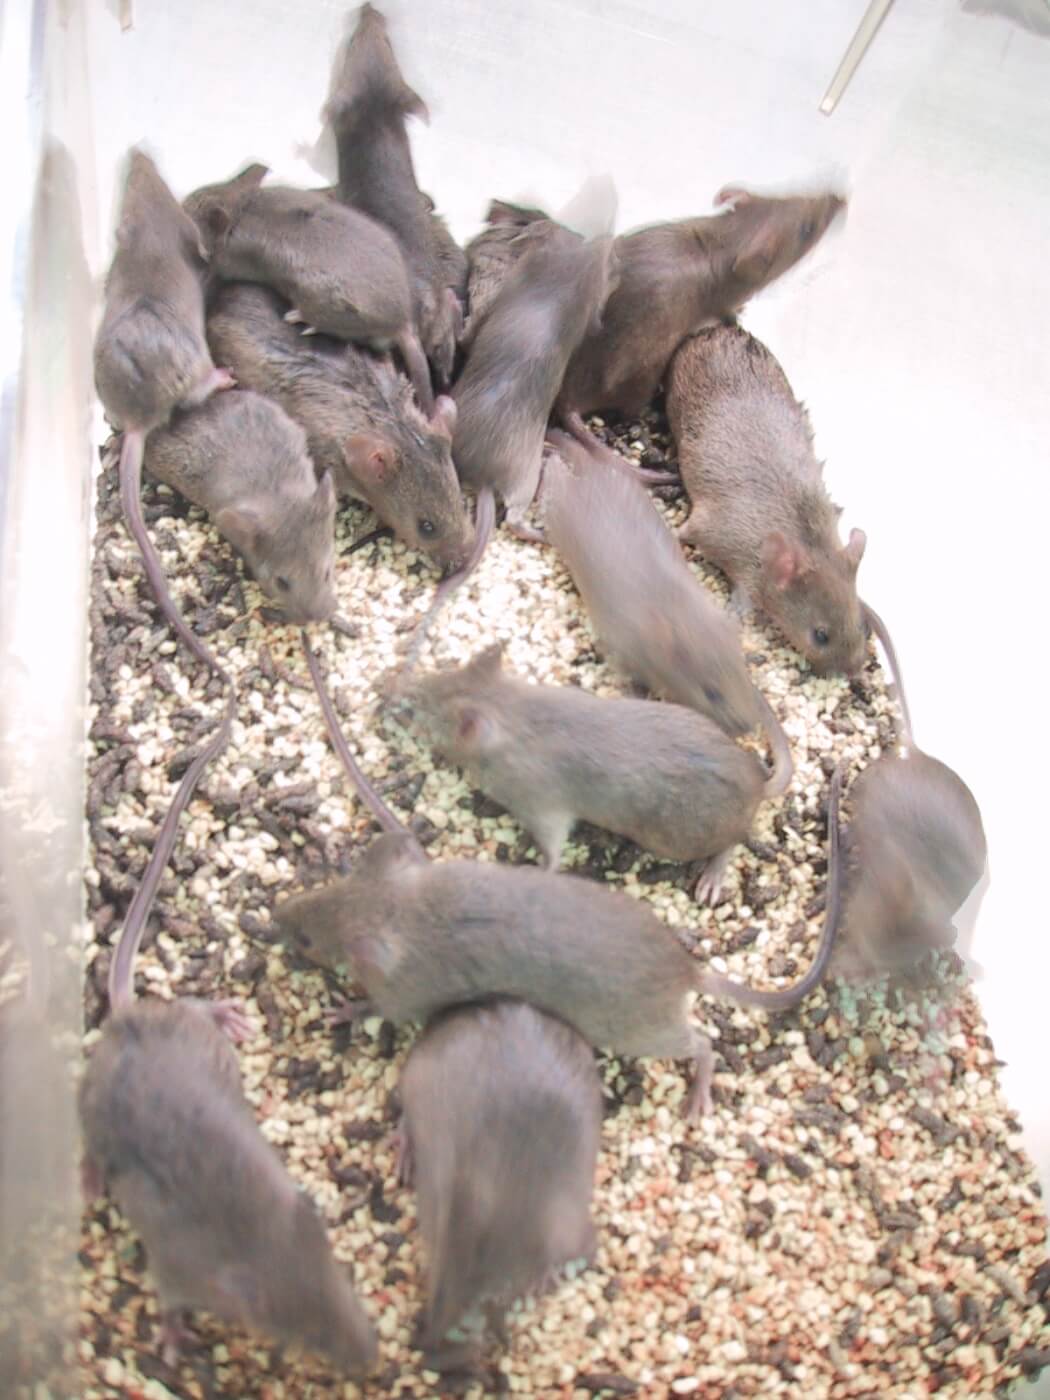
[
  {"x": 502, "y": 1115},
  {"x": 663, "y": 775},
  {"x": 676, "y": 278},
  {"x": 150, "y": 352},
  {"x": 646, "y": 605},
  {"x": 507, "y": 388},
  {"x": 342, "y": 273},
  {"x": 760, "y": 510},
  {"x": 420, "y": 936},
  {"x": 363, "y": 426},
  {"x": 168, "y": 1130},
  {"x": 244, "y": 461},
  {"x": 916, "y": 848},
  {"x": 368, "y": 106}
]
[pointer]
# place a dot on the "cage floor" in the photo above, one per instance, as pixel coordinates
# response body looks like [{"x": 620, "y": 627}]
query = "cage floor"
[{"x": 857, "y": 1216}]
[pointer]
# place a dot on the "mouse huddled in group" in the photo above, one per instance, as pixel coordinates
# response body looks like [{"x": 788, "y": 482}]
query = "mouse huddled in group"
[{"x": 266, "y": 350}]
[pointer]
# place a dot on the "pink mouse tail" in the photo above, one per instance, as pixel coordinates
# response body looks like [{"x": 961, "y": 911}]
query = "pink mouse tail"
[
  {"x": 484, "y": 521},
  {"x": 365, "y": 790},
  {"x": 713, "y": 984},
  {"x": 877, "y": 626},
  {"x": 122, "y": 964}
]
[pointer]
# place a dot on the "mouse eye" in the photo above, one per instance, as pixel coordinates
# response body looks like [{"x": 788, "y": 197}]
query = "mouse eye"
[
  {"x": 282, "y": 583},
  {"x": 820, "y": 636},
  {"x": 426, "y": 527},
  {"x": 712, "y": 695},
  {"x": 807, "y": 230},
  {"x": 303, "y": 939}
]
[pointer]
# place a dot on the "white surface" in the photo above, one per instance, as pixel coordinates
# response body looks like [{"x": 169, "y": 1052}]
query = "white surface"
[{"x": 917, "y": 335}]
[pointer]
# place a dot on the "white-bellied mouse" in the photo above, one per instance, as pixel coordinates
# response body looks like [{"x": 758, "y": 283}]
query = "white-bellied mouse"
[
  {"x": 501, "y": 1123},
  {"x": 916, "y": 847},
  {"x": 420, "y": 936},
  {"x": 342, "y": 273},
  {"x": 368, "y": 105},
  {"x": 363, "y": 426},
  {"x": 666, "y": 776},
  {"x": 506, "y": 390},
  {"x": 244, "y": 461},
  {"x": 168, "y": 1131},
  {"x": 150, "y": 352},
  {"x": 676, "y": 278},
  {"x": 647, "y": 607},
  {"x": 760, "y": 509}
]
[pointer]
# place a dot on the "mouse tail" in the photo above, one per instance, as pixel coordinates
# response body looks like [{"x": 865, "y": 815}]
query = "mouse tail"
[
  {"x": 713, "y": 984},
  {"x": 363, "y": 786},
  {"x": 876, "y": 625},
  {"x": 484, "y": 523},
  {"x": 783, "y": 763},
  {"x": 418, "y": 369},
  {"x": 131, "y": 454},
  {"x": 122, "y": 964}
]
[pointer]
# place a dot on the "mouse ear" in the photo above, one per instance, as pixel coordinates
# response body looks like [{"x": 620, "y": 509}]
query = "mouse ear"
[
  {"x": 474, "y": 727},
  {"x": 243, "y": 526},
  {"x": 325, "y": 494},
  {"x": 488, "y": 661},
  {"x": 854, "y": 550},
  {"x": 782, "y": 561},
  {"x": 370, "y": 457}
]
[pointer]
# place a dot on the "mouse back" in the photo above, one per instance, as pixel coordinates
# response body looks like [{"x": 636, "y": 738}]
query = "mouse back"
[
  {"x": 917, "y": 847},
  {"x": 242, "y": 459},
  {"x": 225, "y": 1228},
  {"x": 517, "y": 359},
  {"x": 760, "y": 509},
  {"x": 502, "y": 1115},
  {"x": 644, "y": 601}
]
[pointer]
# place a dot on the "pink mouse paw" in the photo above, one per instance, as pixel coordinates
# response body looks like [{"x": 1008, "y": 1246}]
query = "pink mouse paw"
[
  {"x": 344, "y": 1013},
  {"x": 230, "y": 1018}
]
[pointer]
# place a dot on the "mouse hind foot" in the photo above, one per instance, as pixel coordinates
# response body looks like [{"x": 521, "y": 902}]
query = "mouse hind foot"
[{"x": 698, "y": 1101}]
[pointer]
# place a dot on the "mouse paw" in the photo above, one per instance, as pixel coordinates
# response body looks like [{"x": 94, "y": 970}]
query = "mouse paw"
[
  {"x": 173, "y": 1336},
  {"x": 230, "y": 1018},
  {"x": 345, "y": 1012},
  {"x": 404, "y": 1163},
  {"x": 709, "y": 886}
]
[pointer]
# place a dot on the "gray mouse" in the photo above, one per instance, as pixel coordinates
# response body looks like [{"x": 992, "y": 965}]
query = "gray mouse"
[
  {"x": 363, "y": 426},
  {"x": 646, "y": 605},
  {"x": 367, "y": 107},
  {"x": 664, "y": 775},
  {"x": 508, "y": 385},
  {"x": 150, "y": 352},
  {"x": 502, "y": 1115},
  {"x": 341, "y": 271},
  {"x": 760, "y": 509},
  {"x": 916, "y": 848},
  {"x": 676, "y": 278},
  {"x": 420, "y": 936},
  {"x": 244, "y": 461},
  {"x": 453, "y": 260},
  {"x": 168, "y": 1130}
]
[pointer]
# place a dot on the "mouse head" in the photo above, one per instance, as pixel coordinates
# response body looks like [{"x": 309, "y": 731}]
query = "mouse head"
[
  {"x": 367, "y": 78},
  {"x": 765, "y": 236},
  {"x": 215, "y": 208},
  {"x": 460, "y": 708},
  {"x": 811, "y": 594},
  {"x": 405, "y": 473},
  {"x": 695, "y": 659},
  {"x": 289, "y": 545},
  {"x": 292, "y": 1287},
  {"x": 151, "y": 218}
]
